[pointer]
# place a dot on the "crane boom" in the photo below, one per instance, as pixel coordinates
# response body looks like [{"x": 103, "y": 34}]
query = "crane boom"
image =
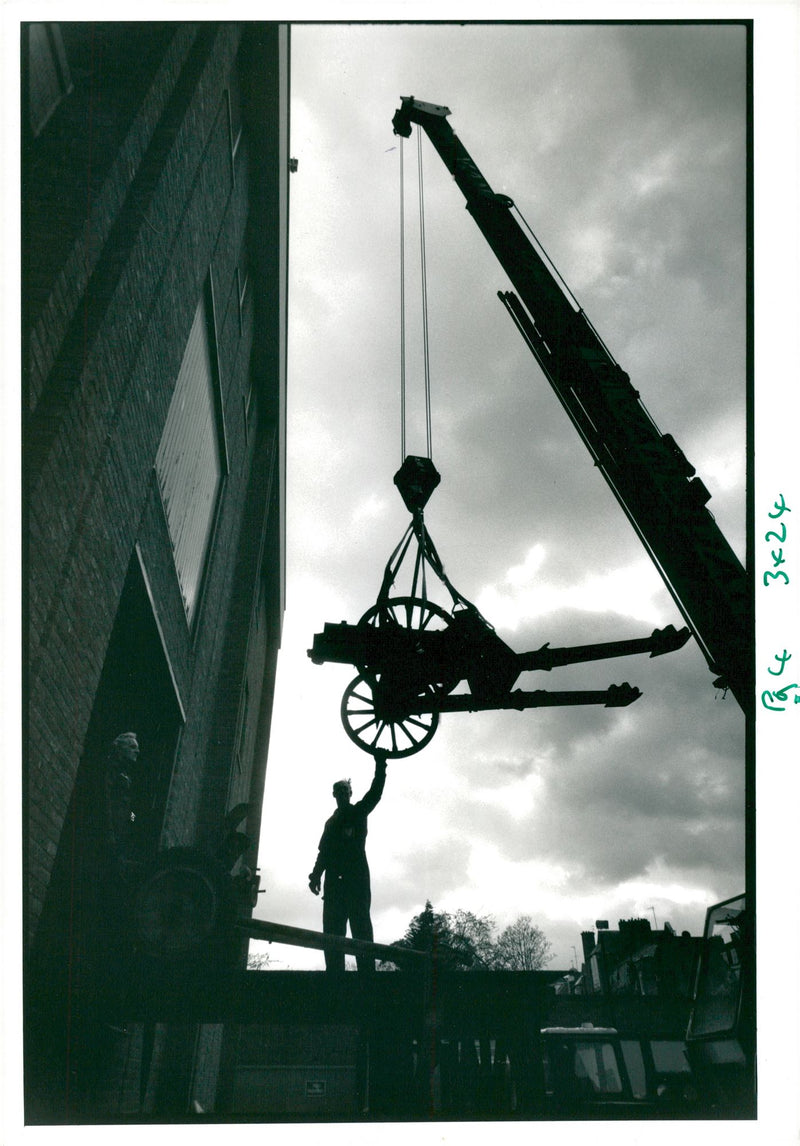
[{"x": 646, "y": 470}]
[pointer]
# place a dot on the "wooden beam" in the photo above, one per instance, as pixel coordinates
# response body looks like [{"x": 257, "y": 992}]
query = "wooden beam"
[{"x": 319, "y": 940}]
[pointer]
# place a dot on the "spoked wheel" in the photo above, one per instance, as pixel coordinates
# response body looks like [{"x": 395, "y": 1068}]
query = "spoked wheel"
[
  {"x": 400, "y": 736},
  {"x": 408, "y": 613},
  {"x": 414, "y": 615}
]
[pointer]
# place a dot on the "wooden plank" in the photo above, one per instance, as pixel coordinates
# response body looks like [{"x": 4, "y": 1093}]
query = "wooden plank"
[{"x": 319, "y": 940}]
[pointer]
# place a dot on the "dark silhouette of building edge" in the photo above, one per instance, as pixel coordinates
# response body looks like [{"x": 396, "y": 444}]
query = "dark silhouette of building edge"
[{"x": 155, "y": 174}]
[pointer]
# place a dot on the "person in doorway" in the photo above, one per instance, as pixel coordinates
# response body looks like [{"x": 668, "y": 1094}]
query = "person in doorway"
[
  {"x": 343, "y": 859},
  {"x": 120, "y": 773}
]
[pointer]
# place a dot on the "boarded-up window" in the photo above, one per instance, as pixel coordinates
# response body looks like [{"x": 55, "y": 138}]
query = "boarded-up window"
[{"x": 190, "y": 460}]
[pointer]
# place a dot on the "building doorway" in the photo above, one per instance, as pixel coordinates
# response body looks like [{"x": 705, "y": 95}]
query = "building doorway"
[{"x": 80, "y": 966}]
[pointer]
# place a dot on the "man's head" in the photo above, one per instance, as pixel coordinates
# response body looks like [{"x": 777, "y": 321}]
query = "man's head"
[
  {"x": 342, "y": 791},
  {"x": 127, "y": 746}
]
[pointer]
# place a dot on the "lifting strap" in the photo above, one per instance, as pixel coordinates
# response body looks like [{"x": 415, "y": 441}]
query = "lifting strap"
[{"x": 426, "y": 555}]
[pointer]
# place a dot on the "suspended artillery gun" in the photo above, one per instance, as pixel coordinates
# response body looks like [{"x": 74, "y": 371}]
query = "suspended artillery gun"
[{"x": 412, "y": 655}]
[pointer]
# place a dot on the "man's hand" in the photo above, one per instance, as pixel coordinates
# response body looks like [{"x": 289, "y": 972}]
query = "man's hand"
[
  {"x": 313, "y": 883},
  {"x": 380, "y": 758}
]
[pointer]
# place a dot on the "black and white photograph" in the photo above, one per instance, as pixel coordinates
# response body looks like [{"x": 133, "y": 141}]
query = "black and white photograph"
[{"x": 392, "y": 539}]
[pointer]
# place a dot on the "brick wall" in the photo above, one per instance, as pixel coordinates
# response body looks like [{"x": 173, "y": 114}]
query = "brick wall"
[
  {"x": 82, "y": 169},
  {"x": 102, "y": 369}
]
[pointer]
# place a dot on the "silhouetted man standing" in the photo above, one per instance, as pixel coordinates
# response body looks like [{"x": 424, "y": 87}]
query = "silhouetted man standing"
[{"x": 343, "y": 859}]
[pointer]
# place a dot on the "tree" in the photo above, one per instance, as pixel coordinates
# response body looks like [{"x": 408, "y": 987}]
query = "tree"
[
  {"x": 522, "y": 946},
  {"x": 476, "y": 931},
  {"x": 258, "y": 959},
  {"x": 460, "y": 942}
]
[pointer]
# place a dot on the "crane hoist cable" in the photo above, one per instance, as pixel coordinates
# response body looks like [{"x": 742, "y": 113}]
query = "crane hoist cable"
[
  {"x": 424, "y": 287},
  {"x": 424, "y": 304},
  {"x": 417, "y": 477},
  {"x": 402, "y": 310}
]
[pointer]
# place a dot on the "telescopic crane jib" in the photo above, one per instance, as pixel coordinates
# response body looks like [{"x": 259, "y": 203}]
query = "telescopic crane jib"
[{"x": 646, "y": 470}]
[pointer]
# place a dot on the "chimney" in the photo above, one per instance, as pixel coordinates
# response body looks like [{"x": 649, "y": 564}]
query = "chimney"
[
  {"x": 636, "y": 932},
  {"x": 588, "y": 941}
]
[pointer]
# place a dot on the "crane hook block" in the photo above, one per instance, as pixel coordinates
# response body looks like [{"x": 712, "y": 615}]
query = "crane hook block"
[{"x": 416, "y": 480}]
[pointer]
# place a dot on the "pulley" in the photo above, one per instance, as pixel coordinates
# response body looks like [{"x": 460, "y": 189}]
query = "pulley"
[{"x": 416, "y": 480}]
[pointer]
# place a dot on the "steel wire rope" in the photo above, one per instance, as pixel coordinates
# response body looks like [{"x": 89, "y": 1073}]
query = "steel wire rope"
[
  {"x": 426, "y": 553},
  {"x": 402, "y": 310},
  {"x": 556, "y": 273},
  {"x": 573, "y": 299},
  {"x": 424, "y": 298},
  {"x": 424, "y": 286}
]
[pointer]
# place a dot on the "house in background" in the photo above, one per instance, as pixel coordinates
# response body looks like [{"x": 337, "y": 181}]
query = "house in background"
[
  {"x": 634, "y": 960},
  {"x": 639, "y": 960},
  {"x": 155, "y": 175}
]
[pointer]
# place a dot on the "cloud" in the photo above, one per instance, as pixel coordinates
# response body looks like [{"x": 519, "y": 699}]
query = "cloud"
[
  {"x": 430, "y": 871},
  {"x": 372, "y": 506},
  {"x": 635, "y": 592}
]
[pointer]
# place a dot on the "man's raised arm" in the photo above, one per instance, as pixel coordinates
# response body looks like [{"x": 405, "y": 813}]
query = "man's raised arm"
[{"x": 376, "y": 787}]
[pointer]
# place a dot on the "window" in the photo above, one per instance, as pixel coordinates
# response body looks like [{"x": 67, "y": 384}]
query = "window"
[
  {"x": 669, "y": 1056},
  {"x": 191, "y": 462},
  {"x": 597, "y": 1062},
  {"x": 583, "y": 1068},
  {"x": 634, "y": 1064},
  {"x": 719, "y": 986},
  {"x": 48, "y": 73}
]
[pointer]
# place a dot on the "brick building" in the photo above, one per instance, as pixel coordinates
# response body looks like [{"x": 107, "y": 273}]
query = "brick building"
[{"x": 155, "y": 181}]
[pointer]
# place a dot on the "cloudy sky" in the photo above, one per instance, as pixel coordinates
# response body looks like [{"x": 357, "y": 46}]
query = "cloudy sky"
[{"x": 624, "y": 148}]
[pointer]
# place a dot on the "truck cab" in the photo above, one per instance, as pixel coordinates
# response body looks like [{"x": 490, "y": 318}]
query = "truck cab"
[{"x": 721, "y": 1033}]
